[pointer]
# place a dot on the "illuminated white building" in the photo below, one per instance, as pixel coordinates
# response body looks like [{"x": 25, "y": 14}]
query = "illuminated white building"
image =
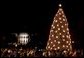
[{"x": 23, "y": 38}]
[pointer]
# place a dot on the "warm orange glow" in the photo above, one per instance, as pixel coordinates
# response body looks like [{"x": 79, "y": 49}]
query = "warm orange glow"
[{"x": 59, "y": 37}]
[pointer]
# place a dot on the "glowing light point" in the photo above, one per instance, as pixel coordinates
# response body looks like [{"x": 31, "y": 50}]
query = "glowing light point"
[{"x": 60, "y": 5}]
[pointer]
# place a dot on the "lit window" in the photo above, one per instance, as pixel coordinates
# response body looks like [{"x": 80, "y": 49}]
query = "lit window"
[{"x": 56, "y": 36}]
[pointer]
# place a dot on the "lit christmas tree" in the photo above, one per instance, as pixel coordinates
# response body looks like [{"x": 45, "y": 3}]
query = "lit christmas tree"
[{"x": 59, "y": 37}]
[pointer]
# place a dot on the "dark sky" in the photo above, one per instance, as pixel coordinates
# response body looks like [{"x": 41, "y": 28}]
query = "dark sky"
[{"x": 37, "y": 16}]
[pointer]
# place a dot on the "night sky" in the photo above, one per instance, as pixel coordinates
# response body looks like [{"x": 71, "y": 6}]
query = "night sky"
[{"x": 36, "y": 17}]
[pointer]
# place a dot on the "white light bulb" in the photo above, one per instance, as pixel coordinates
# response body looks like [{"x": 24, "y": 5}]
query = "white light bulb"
[
  {"x": 54, "y": 40},
  {"x": 60, "y": 5},
  {"x": 57, "y": 25},
  {"x": 49, "y": 38},
  {"x": 48, "y": 46},
  {"x": 58, "y": 28},
  {"x": 60, "y": 21},
  {"x": 63, "y": 45},
  {"x": 68, "y": 49},
  {"x": 59, "y": 18},
  {"x": 51, "y": 42},
  {"x": 62, "y": 12},
  {"x": 65, "y": 24},
  {"x": 59, "y": 33},
  {"x": 55, "y": 48},
  {"x": 56, "y": 36},
  {"x": 63, "y": 39},
  {"x": 63, "y": 36},
  {"x": 52, "y": 35},
  {"x": 58, "y": 47},
  {"x": 59, "y": 13},
  {"x": 64, "y": 51},
  {"x": 67, "y": 36},
  {"x": 54, "y": 45},
  {"x": 62, "y": 26},
  {"x": 67, "y": 42},
  {"x": 67, "y": 29},
  {"x": 63, "y": 30},
  {"x": 48, "y": 43},
  {"x": 58, "y": 42},
  {"x": 63, "y": 16},
  {"x": 55, "y": 31},
  {"x": 72, "y": 41},
  {"x": 53, "y": 27},
  {"x": 55, "y": 20},
  {"x": 51, "y": 30},
  {"x": 60, "y": 9},
  {"x": 67, "y": 46},
  {"x": 51, "y": 48},
  {"x": 67, "y": 32},
  {"x": 63, "y": 19},
  {"x": 56, "y": 14}
]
